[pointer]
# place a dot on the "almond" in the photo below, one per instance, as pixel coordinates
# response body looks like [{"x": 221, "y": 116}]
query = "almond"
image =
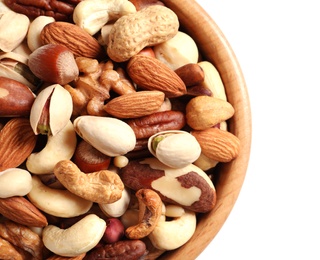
[
  {"x": 217, "y": 144},
  {"x": 22, "y": 211},
  {"x": 136, "y": 104},
  {"x": 76, "y": 39},
  {"x": 152, "y": 74},
  {"x": 17, "y": 142},
  {"x": 203, "y": 112}
]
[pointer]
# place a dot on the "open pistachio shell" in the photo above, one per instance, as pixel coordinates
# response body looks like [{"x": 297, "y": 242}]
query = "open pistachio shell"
[
  {"x": 12, "y": 22},
  {"x": 174, "y": 148},
  {"x": 51, "y": 110},
  {"x": 14, "y": 66}
]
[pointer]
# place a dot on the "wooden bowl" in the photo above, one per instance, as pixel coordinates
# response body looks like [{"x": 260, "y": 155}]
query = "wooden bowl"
[{"x": 215, "y": 48}]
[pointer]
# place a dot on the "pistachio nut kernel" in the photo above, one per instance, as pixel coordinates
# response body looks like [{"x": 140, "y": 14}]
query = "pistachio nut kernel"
[{"x": 175, "y": 149}]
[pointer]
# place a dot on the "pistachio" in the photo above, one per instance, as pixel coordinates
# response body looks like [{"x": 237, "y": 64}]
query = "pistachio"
[
  {"x": 12, "y": 22},
  {"x": 110, "y": 136},
  {"x": 174, "y": 148},
  {"x": 14, "y": 66},
  {"x": 51, "y": 110}
]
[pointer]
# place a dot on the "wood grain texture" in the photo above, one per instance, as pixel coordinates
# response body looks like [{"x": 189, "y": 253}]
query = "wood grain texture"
[{"x": 215, "y": 48}]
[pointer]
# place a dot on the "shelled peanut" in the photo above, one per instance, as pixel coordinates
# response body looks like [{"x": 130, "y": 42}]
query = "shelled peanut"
[{"x": 112, "y": 119}]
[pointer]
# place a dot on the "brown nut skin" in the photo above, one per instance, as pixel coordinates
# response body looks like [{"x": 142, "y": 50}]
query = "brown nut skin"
[
  {"x": 89, "y": 159},
  {"x": 142, "y": 174},
  {"x": 22, "y": 237},
  {"x": 151, "y": 74},
  {"x": 60, "y": 10},
  {"x": 8, "y": 251},
  {"x": 140, "y": 4},
  {"x": 81, "y": 43},
  {"x": 17, "y": 142},
  {"x": 16, "y": 99},
  {"x": 53, "y": 63},
  {"x": 191, "y": 74},
  {"x": 146, "y": 126},
  {"x": 124, "y": 249},
  {"x": 22, "y": 211}
]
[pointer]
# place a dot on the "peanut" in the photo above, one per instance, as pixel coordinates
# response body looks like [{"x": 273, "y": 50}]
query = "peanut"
[{"x": 131, "y": 33}]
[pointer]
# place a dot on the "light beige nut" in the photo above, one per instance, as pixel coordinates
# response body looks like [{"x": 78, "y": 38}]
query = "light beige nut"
[
  {"x": 21, "y": 210},
  {"x": 147, "y": 27},
  {"x": 177, "y": 51},
  {"x": 219, "y": 145},
  {"x": 151, "y": 74},
  {"x": 170, "y": 235},
  {"x": 174, "y": 211},
  {"x": 189, "y": 187},
  {"x": 12, "y": 22},
  {"x": 136, "y": 104},
  {"x": 203, "y": 112},
  {"x": 17, "y": 142},
  {"x": 15, "y": 182},
  {"x": 94, "y": 129},
  {"x": 35, "y": 28},
  {"x": 77, "y": 239},
  {"x": 176, "y": 149},
  {"x": 101, "y": 187},
  {"x": 212, "y": 80},
  {"x": 58, "y": 147},
  {"x": 205, "y": 163},
  {"x": 150, "y": 207},
  {"x": 59, "y": 203},
  {"x": 117, "y": 208},
  {"x": 23, "y": 238},
  {"x": 51, "y": 110},
  {"x": 93, "y": 15}
]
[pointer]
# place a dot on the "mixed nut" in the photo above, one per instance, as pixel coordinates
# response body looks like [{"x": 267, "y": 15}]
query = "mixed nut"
[{"x": 110, "y": 125}]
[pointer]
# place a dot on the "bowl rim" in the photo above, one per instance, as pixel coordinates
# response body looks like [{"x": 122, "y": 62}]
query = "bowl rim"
[{"x": 211, "y": 42}]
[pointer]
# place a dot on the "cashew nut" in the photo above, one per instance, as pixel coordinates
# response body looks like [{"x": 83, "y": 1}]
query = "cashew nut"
[
  {"x": 77, "y": 239},
  {"x": 93, "y": 15},
  {"x": 101, "y": 187},
  {"x": 169, "y": 235},
  {"x": 59, "y": 203},
  {"x": 118, "y": 208},
  {"x": 59, "y": 147},
  {"x": 177, "y": 51},
  {"x": 150, "y": 207},
  {"x": 15, "y": 182}
]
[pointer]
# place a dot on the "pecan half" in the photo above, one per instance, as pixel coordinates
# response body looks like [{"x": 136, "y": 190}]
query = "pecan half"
[
  {"x": 60, "y": 10},
  {"x": 124, "y": 249},
  {"x": 146, "y": 126}
]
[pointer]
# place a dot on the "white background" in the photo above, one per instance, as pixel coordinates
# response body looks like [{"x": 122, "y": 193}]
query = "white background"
[{"x": 277, "y": 215}]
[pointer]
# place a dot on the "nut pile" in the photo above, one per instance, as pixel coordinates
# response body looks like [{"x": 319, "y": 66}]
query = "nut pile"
[{"x": 110, "y": 123}]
